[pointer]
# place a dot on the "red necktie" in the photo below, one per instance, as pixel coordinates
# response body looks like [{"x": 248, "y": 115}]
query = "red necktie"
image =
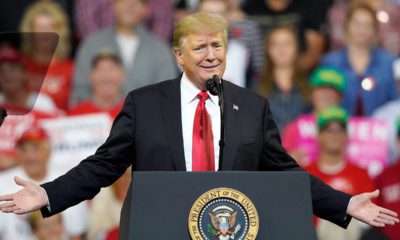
[{"x": 203, "y": 147}]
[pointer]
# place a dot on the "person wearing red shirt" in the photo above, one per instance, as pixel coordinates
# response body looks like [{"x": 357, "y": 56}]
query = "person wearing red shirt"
[
  {"x": 333, "y": 169},
  {"x": 47, "y": 55},
  {"x": 389, "y": 184},
  {"x": 107, "y": 78}
]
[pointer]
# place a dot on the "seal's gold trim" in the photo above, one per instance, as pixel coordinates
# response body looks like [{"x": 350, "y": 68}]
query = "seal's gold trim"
[{"x": 247, "y": 204}]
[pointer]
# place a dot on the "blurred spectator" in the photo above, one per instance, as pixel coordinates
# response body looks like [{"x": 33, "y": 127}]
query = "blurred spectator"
[
  {"x": 18, "y": 100},
  {"x": 106, "y": 209},
  {"x": 237, "y": 57},
  {"x": 107, "y": 77},
  {"x": 15, "y": 93},
  {"x": 41, "y": 57},
  {"x": 50, "y": 228},
  {"x": 298, "y": 137},
  {"x": 184, "y": 7},
  {"x": 311, "y": 27},
  {"x": 369, "y": 69},
  {"x": 283, "y": 82},
  {"x": 11, "y": 12},
  {"x": 92, "y": 16},
  {"x": 145, "y": 58},
  {"x": 390, "y": 112},
  {"x": 396, "y": 69},
  {"x": 33, "y": 153},
  {"x": 387, "y": 15},
  {"x": 334, "y": 169},
  {"x": 389, "y": 184},
  {"x": 160, "y": 19},
  {"x": 247, "y": 32}
]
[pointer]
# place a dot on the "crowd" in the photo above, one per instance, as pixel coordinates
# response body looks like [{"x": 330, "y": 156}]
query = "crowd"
[{"x": 329, "y": 68}]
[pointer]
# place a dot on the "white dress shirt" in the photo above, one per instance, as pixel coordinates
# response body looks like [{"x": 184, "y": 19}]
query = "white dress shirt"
[{"x": 189, "y": 101}]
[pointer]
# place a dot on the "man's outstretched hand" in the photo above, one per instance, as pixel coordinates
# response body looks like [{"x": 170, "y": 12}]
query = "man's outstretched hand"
[
  {"x": 362, "y": 208},
  {"x": 32, "y": 197}
]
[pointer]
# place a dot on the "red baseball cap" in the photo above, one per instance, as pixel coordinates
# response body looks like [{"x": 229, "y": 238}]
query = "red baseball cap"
[
  {"x": 10, "y": 54},
  {"x": 33, "y": 134}
]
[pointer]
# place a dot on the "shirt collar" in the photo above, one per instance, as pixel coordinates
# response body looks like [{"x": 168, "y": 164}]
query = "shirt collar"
[{"x": 189, "y": 91}]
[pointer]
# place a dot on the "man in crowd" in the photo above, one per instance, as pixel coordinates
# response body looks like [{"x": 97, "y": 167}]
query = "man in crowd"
[
  {"x": 33, "y": 154},
  {"x": 145, "y": 58},
  {"x": 107, "y": 77},
  {"x": 159, "y": 129},
  {"x": 334, "y": 169}
]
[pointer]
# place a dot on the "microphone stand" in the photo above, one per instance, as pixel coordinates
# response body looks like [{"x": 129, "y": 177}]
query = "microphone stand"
[{"x": 215, "y": 87}]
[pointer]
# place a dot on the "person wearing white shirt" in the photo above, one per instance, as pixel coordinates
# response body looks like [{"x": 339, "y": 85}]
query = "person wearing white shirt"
[{"x": 33, "y": 152}]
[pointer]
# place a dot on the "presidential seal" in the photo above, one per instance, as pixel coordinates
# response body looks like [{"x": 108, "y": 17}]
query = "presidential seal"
[{"x": 223, "y": 214}]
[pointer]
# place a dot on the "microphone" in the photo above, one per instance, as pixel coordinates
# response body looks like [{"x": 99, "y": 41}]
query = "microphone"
[{"x": 212, "y": 86}]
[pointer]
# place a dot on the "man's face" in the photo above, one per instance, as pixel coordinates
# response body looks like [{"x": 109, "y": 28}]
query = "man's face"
[
  {"x": 33, "y": 156},
  {"x": 107, "y": 78},
  {"x": 130, "y": 13},
  {"x": 12, "y": 77},
  {"x": 201, "y": 56},
  {"x": 333, "y": 138},
  {"x": 323, "y": 97}
]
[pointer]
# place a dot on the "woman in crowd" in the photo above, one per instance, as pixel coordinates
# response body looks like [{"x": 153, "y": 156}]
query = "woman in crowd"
[
  {"x": 282, "y": 81},
  {"x": 388, "y": 17},
  {"x": 369, "y": 69},
  {"x": 45, "y": 57}
]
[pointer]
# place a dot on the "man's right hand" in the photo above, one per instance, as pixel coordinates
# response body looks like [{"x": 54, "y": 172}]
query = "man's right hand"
[{"x": 32, "y": 197}]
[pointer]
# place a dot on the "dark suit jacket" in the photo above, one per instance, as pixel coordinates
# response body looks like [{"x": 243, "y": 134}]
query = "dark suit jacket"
[{"x": 148, "y": 134}]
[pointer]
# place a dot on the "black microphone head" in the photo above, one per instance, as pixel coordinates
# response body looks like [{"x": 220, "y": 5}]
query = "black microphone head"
[{"x": 212, "y": 86}]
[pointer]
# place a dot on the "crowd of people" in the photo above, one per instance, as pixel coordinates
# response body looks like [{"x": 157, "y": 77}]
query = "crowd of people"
[{"x": 329, "y": 68}]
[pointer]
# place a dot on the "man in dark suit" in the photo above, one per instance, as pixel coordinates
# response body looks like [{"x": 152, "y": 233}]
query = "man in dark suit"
[{"x": 156, "y": 130}]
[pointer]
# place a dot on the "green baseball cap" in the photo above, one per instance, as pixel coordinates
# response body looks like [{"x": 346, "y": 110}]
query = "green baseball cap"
[
  {"x": 328, "y": 77},
  {"x": 330, "y": 114}
]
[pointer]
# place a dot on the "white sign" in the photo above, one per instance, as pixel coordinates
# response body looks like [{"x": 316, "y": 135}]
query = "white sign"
[{"x": 75, "y": 138}]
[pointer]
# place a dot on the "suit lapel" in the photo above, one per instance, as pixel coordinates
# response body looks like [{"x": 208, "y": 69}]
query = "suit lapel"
[
  {"x": 231, "y": 110},
  {"x": 171, "y": 110}
]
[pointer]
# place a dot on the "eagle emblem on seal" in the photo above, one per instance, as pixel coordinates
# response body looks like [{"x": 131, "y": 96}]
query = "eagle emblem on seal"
[{"x": 223, "y": 220}]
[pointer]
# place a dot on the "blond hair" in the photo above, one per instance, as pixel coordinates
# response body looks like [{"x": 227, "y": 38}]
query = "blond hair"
[
  {"x": 197, "y": 23},
  {"x": 61, "y": 22}
]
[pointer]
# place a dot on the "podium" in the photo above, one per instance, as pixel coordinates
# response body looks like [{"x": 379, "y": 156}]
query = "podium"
[{"x": 162, "y": 205}]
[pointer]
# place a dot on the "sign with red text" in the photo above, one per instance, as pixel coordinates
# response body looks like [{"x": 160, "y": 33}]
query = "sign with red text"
[
  {"x": 367, "y": 143},
  {"x": 74, "y": 138}
]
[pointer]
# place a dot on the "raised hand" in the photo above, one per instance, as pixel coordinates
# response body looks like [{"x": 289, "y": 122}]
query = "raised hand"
[
  {"x": 362, "y": 208},
  {"x": 32, "y": 197}
]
